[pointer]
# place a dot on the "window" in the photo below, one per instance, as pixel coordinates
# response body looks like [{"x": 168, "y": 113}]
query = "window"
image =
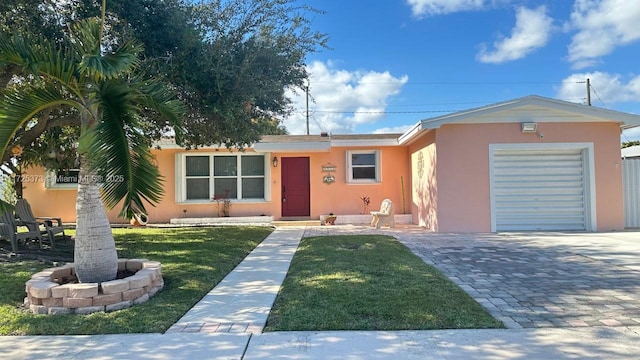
[
  {"x": 363, "y": 166},
  {"x": 236, "y": 176},
  {"x": 62, "y": 179},
  {"x": 69, "y": 176},
  {"x": 198, "y": 177}
]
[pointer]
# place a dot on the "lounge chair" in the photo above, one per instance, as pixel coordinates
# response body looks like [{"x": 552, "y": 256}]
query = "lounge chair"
[
  {"x": 52, "y": 225},
  {"x": 384, "y": 216},
  {"x": 9, "y": 229},
  {"x": 7, "y": 233}
]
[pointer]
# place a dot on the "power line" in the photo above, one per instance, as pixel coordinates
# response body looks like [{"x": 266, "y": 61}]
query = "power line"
[
  {"x": 385, "y": 112},
  {"x": 598, "y": 96},
  {"x": 454, "y": 82},
  {"x": 317, "y": 123},
  {"x": 344, "y": 111},
  {"x": 438, "y": 104}
]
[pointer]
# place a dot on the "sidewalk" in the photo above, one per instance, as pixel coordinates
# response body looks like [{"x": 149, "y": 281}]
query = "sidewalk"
[
  {"x": 227, "y": 324},
  {"x": 546, "y": 344}
]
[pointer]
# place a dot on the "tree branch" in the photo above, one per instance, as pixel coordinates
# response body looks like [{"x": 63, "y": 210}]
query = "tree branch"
[{"x": 29, "y": 136}]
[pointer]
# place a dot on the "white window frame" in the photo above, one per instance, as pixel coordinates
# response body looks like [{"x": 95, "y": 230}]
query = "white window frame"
[
  {"x": 181, "y": 178},
  {"x": 209, "y": 176},
  {"x": 50, "y": 182},
  {"x": 378, "y": 166}
]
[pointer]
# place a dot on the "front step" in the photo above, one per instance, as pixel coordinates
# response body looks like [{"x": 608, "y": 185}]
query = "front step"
[{"x": 296, "y": 223}]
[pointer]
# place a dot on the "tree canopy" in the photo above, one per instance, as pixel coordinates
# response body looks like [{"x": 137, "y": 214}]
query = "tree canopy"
[
  {"x": 86, "y": 75},
  {"x": 229, "y": 61}
]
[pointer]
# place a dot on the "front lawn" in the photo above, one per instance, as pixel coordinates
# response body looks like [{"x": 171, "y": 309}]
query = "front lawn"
[
  {"x": 193, "y": 261},
  {"x": 369, "y": 283}
]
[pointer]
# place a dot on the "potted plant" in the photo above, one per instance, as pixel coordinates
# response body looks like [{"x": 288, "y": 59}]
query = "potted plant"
[
  {"x": 139, "y": 220},
  {"x": 224, "y": 203},
  {"x": 365, "y": 204},
  {"x": 330, "y": 220}
]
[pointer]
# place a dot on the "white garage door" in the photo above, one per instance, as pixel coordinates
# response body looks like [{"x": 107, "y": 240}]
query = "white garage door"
[{"x": 539, "y": 189}]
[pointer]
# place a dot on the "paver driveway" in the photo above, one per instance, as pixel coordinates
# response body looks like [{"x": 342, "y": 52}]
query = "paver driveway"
[{"x": 542, "y": 279}]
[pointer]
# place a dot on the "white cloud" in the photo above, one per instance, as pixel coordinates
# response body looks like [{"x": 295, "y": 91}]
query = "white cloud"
[
  {"x": 532, "y": 30},
  {"x": 602, "y": 25},
  {"x": 342, "y": 99},
  {"x": 632, "y": 134},
  {"x": 607, "y": 88},
  {"x": 436, "y": 7}
]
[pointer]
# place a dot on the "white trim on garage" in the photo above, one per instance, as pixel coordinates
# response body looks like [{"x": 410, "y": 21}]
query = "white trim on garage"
[{"x": 542, "y": 186}]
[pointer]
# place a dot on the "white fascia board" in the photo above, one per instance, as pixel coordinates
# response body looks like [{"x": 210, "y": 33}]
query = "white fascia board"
[
  {"x": 625, "y": 125},
  {"x": 176, "y": 146},
  {"x": 364, "y": 142},
  {"x": 411, "y": 134},
  {"x": 323, "y": 146},
  {"x": 461, "y": 116},
  {"x": 166, "y": 144},
  {"x": 589, "y": 113}
]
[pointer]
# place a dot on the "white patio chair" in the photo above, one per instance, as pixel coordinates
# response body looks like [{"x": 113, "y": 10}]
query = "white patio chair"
[{"x": 385, "y": 215}]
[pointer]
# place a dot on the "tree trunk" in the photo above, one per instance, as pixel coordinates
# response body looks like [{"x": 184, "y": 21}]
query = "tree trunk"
[{"x": 96, "y": 259}]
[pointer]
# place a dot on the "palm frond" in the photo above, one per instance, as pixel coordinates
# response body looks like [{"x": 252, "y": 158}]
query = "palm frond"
[
  {"x": 63, "y": 67},
  {"x": 112, "y": 65},
  {"x": 12, "y": 50},
  {"x": 27, "y": 53},
  {"x": 120, "y": 152},
  {"x": 17, "y": 106},
  {"x": 39, "y": 58},
  {"x": 85, "y": 37},
  {"x": 158, "y": 97}
]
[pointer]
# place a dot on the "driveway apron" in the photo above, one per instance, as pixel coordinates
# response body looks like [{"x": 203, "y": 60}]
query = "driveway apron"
[{"x": 541, "y": 280}]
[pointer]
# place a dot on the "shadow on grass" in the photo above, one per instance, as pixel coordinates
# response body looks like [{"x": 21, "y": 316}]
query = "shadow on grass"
[
  {"x": 193, "y": 261},
  {"x": 369, "y": 283}
]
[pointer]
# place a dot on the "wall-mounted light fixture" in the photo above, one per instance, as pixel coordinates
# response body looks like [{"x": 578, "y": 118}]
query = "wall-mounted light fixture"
[
  {"x": 275, "y": 161},
  {"x": 529, "y": 127}
]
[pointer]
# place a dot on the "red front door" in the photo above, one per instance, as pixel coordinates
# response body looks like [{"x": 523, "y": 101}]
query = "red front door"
[{"x": 295, "y": 186}]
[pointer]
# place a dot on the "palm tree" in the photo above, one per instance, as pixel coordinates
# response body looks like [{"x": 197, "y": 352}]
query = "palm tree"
[{"x": 116, "y": 165}]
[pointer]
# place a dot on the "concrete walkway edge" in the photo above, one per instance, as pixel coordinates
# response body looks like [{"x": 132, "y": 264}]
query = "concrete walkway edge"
[{"x": 241, "y": 302}]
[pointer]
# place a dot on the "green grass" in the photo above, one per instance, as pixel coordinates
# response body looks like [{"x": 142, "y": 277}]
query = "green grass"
[
  {"x": 369, "y": 283},
  {"x": 193, "y": 261}
]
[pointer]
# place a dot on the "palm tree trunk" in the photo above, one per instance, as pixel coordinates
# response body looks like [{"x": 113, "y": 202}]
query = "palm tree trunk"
[{"x": 95, "y": 256}]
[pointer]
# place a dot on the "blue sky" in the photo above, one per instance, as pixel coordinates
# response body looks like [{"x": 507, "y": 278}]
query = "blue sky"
[{"x": 395, "y": 62}]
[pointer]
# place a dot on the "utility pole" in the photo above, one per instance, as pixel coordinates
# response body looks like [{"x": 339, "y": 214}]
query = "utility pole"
[
  {"x": 307, "y": 91},
  {"x": 588, "y": 92}
]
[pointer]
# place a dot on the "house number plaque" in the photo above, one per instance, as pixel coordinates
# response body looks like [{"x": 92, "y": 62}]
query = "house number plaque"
[{"x": 328, "y": 178}]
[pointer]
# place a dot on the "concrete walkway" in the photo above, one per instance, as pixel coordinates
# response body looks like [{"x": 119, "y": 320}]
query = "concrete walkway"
[
  {"x": 242, "y": 300},
  {"x": 228, "y": 323}
]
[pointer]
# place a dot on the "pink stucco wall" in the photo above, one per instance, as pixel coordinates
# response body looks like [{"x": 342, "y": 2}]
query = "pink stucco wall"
[
  {"x": 339, "y": 197},
  {"x": 450, "y": 194},
  {"x": 462, "y": 170},
  {"x": 424, "y": 182}
]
